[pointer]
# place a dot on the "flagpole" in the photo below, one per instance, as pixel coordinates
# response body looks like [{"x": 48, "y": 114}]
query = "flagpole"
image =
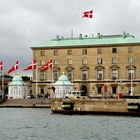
[
  {"x": 2, "y": 84},
  {"x": 16, "y": 73},
  {"x": 52, "y": 77},
  {"x": 131, "y": 92},
  {"x": 36, "y": 73},
  {"x": 2, "y": 81}
]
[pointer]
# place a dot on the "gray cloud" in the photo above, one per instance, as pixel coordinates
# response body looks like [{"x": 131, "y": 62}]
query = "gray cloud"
[{"x": 25, "y": 23}]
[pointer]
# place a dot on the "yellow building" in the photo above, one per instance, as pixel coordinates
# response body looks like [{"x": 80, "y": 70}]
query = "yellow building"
[{"x": 91, "y": 62}]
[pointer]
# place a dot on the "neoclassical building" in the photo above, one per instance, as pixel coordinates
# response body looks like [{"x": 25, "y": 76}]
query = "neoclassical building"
[{"x": 89, "y": 63}]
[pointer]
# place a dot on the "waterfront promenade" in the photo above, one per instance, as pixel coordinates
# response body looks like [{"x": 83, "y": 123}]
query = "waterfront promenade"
[{"x": 27, "y": 103}]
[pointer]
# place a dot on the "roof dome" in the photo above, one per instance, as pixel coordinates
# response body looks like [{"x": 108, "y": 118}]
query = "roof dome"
[
  {"x": 17, "y": 80},
  {"x": 63, "y": 78},
  {"x": 63, "y": 81}
]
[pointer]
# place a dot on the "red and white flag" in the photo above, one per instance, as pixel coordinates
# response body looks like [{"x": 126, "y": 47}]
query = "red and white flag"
[
  {"x": 47, "y": 66},
  {"x": 13, "y": 68},
  {"x": 88, "y": 14},
  {"x": 1, "y": 65},
  {"x": 105, "y": 88},
  {"x": 31, "y": 66}
]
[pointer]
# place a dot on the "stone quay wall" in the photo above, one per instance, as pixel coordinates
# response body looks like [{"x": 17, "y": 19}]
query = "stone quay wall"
[
  {"x": 39, "y": 102},
  {"x": 114, "y": 106}
]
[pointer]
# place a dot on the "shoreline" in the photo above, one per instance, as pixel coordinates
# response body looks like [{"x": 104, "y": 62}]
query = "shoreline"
[{"x": 26, "y": 103}]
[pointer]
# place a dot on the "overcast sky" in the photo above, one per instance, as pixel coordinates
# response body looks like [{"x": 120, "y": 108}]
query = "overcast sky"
[{"x": 27, "y": 23}]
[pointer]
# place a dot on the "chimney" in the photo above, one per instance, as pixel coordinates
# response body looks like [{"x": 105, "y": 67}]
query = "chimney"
[
  {"x": 80, "y": 36},
  {"x": 57, "y": 37}
]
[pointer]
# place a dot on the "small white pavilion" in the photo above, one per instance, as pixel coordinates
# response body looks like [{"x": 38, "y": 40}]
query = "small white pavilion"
[
  {"x": 17, "y": 89},
  {"x": 62, "y": 86}
]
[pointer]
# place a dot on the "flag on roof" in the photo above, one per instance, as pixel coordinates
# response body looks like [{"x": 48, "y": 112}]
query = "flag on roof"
[
  {"x": 1, "y": 65},
  {"x": 47, "y": 66},
  {"x": 88, "y": 14},
  {"x": 13, "y": 68},
  {"x": 31, "y": 66}
]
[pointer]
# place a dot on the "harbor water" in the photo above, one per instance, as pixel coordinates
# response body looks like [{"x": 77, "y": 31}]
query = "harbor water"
[{"x": 41, "y": 124}]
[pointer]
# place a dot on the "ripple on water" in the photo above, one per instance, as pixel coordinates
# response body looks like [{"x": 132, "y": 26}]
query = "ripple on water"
[{"x": 40, "y": 124}]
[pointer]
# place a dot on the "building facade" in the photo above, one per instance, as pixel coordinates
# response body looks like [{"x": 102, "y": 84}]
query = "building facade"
[{"x": 89, "y": 63}]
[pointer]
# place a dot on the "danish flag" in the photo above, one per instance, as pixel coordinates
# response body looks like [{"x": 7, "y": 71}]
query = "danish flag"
[
  {"x": 105, "y": 88},
  {"x": 88, "y": 14},
  {"x": 13, "y": 68},
  {"x": 1, "y": 65},
  {"x": 31, "y": 66},
  {"x": 47, "y": 66}
]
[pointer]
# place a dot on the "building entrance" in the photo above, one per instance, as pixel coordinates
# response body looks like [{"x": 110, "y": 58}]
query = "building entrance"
[
  {"x": 84, "y": 90},
  {"x": 114, "y": 90}
]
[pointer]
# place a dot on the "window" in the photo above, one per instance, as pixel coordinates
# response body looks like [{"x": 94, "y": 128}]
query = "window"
[
  {"x": 69, "y": 52},
  {"x": 55, "y": 74},
  {"x": 130, "y": 90},
  {"x": 42, "y": 53},
  {"x": 99, "y": 74},
  {"x": 55, "y": 52},
  {"x": 69, "y": 61},
  {"x": 42, "y": 62},
  {"x": 70, "y": 74},
  {"x": 114, "y": 74},
  {"x": 131, "y": 74},
  {"x": 99, "y": 51},
  {"x": 114, "y": 89},
  {"x": 42, "y": 90},
  {"x": 99, "y": 89},
  {"x": 42, "y": 76},
  {"x": 99, "y": 60},
  {"x": 130, "y": 59},
  {"x": 114, "y": 50},
  {"x": 130, "y": 49},
  {"x": 55, "y": 62},
  {"x": 84, "y": 51},
  {"x": 84, "y": 75},
  {"x": 114, "y": 60},
  {"x": 84, "y": 61}
]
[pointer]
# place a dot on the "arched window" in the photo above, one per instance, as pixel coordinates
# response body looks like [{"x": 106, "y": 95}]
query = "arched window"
[
  {"x": 99, "y": 73},
  {"x": 56, "y": 73},
  {"x": 114, "y": 72},
  {"x": 70, "y": 72},
  {"x": 131, "y": 72},
  {"x": 42, "y": 75},
  {"x": 84, "y": 73}
]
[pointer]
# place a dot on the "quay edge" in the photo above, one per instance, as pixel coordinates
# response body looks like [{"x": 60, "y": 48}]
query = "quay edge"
[
  {"x": 26, "y": 103},
  {"x": 108, "y": 106}
]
